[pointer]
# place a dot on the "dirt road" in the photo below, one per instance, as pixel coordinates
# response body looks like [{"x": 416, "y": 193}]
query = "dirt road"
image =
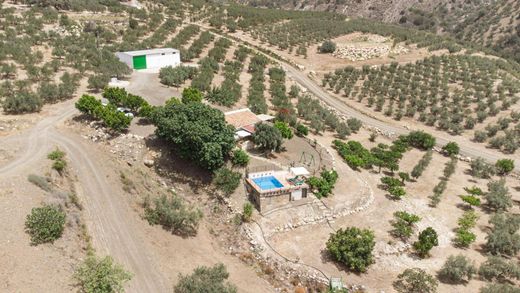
[{"x": 110, "y": 219}]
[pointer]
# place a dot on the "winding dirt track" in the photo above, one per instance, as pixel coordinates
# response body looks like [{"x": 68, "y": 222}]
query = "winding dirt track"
[{"x": 110, "y": 220}]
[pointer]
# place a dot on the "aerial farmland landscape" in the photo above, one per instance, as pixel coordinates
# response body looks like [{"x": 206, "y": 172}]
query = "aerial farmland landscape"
[{"x": 203, "y": 146}]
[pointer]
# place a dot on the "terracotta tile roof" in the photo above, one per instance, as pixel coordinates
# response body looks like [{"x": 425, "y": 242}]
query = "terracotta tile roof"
[
  {"x": 249, "y": 128},
  {"x": 241, "y": 118}
]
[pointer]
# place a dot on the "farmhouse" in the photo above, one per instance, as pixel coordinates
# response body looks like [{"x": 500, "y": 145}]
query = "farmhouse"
[
  {"x": 244, "y": 121},
  {"x": 274, "y": 188},
  {"x": 150, "y": 59}
]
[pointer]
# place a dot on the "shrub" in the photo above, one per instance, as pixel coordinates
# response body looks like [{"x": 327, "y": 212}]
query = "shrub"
[
  {"x": 191, "y": 95},
  {"x": 468, "y": 220},
  {"x": 40, "y": 181},
  {"x": 504, "y": 166},
  {"x": 45, "y": 224},
  {"x": 284, "y": 129},
  {"x": 101, "y": 275},
  {"x": 226, "y": 180},
  {"x": 415, "y": 281},
  {"x": 502, "y": 288},
  {"x": 427, "y": 240},
  {"x": 464, "y": 237},
  {"x": 471, "y": 200},
  {"x": 322, "y": 186},
  {"x": 503, "y": 239},
  {"x": 457, "y": 269},
  {"x": 352, "y": 247},
  {"x": 173, "y": 214},
  {"x": 403, "y": 224},
  {"x": 240, "y": 158},
  {"x": 22, "y": 102},
  {"x": 498, "y": 197},
  {"x": 354, "y": 124},
  {"x": 205, "y": 279},
  {"x": 481, "y": 169},
  {"x": 56, "y": 155},
  {"x": 302, "y": 130},
  {"x": 247, "y": 212},
  {"x": 451, "y": 149},
  {"x": 327, "y": 46},
  {"x": 59, "y": 165},
  {"x": 420, "y": 140},
  {"x": 499, "y": 269}
]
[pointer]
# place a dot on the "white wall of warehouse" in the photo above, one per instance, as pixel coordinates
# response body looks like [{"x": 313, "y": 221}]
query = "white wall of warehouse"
[
  {"x": 125, "y": 58},
  {"x": 159, "y": 61}
]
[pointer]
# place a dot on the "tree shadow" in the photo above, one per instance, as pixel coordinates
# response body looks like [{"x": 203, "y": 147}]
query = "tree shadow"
[
  {"x": 325, "y": 257},
  {"x": 176, "y": 169}
]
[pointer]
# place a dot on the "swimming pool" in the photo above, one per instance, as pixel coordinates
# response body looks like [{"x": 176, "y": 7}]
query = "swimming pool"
[{"x": 268, "y": 182}]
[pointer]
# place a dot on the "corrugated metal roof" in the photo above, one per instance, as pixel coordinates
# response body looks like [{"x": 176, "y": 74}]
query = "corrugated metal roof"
[{"x": 151, "y": 51}]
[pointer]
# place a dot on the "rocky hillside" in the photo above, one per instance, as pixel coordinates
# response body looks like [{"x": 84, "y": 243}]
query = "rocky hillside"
[
  {"x": 383, "y": 10},
  {"x": 492, "y": 23}
]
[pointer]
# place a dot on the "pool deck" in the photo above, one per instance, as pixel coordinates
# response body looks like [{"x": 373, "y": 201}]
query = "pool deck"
[{"x": 281, "y": 176}]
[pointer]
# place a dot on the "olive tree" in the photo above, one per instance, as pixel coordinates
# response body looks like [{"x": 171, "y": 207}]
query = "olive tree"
[
  {"x": 415, "y": 280},
  {"x": 457, "y": 269}
]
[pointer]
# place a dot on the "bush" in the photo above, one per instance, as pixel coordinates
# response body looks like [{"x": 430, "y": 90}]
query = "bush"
[
  {"x": 302, "y": 130},
  {"x": 226, "y": 180},
  {"x": 247, "y": 212},
  {"x": 498, "y": 197},
  {"x": 45, "y": 224},
  {"x": 420, "y": 140},
  {"x": 499, "y": 269},
  {"x": 502, "y": 288},
  {"x": 22, "y": 102},
  {"x": 451, "y": 149},
  {"x": 40, "y": 181},
  {"x": 327, "y": 46},
  {"x": 173, "y": 214},
  {"x": 59, "y": 165},
  {"x": 101, "y": 275},
  {"x": 403, "y": 224},
  {"x": 504, "y": 166},
  {"x": 427, "y": 240},
  {"x": 240, "y": 158},
  {"x": 284, "y": 129},
  {"x": 56, "y": 155},
  {"x": 205, "y": 279},
  {"x": 176, "y": 76},
  {"x": 415, "y": 281},
  {"x": 481, "y": 169},
  {"x": 464, "y": 237},
  {"x": 191, "y": 95},
  {"x": 503, "y": 239},
  {"x": 457, "y": 269},
  {"x": 352, "y": 247}
]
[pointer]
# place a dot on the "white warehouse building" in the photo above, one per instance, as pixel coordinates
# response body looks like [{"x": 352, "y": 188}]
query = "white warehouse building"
[{"x": 150, "y": 59}]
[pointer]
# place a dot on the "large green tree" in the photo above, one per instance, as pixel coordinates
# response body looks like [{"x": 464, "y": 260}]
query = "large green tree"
[
  {"x": 352, "y": 247},
  {"x": 268, "y": 138},
  {"x": 198, "y": 132}
]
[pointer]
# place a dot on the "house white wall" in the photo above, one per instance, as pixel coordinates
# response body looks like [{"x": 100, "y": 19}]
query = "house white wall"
[
  {"x": 160, "y": 61},
  {"x": 125, "y": 58}
]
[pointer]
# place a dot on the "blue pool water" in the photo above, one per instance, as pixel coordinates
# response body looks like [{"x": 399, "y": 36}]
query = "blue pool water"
[{"x": 268, "y": 182}]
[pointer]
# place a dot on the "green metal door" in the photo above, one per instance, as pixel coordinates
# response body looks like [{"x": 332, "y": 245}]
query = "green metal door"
[{"x": 140, "y": 62}]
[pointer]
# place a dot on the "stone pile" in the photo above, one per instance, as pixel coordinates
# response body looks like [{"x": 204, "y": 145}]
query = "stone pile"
[{"x": 361, "y": 53}]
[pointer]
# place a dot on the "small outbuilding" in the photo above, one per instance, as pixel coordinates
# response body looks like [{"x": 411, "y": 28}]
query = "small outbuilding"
[
  {"x": 151, "y": 59},
  {"x": 244, "y": 121}
]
